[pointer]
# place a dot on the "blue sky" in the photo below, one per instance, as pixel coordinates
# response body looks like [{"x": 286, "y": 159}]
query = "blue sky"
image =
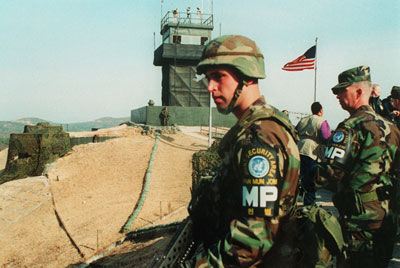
[{"x": 78, "y": 60}]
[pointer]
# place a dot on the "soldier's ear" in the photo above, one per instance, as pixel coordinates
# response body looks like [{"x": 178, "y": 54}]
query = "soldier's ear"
[
  {"x": 359, "y": 92},
  {"x": 251, "y": 81}
]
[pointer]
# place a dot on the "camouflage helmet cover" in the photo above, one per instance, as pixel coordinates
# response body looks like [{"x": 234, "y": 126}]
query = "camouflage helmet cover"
[
  {"x": 234, "y": 50},
  {"x": 353, "y": 75}
]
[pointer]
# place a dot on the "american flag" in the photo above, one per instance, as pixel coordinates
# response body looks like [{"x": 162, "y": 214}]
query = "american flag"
[{"x": 305, "y": 61}]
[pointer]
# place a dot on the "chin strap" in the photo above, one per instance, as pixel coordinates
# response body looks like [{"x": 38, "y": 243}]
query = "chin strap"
[{"x": 231, "y": 107}]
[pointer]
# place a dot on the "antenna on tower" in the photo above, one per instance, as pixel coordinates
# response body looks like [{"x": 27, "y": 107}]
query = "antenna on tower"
[{"x": 161, "y": 4}]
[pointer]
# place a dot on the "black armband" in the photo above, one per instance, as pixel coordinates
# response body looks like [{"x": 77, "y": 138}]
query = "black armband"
[
  {"x": 260, "y": 182},
  {"x": 338, "y": 151}
]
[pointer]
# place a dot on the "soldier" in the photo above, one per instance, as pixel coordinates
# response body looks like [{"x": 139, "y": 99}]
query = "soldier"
[
  {"x": 391, "y": 106},
  {"x": 188, "y": 14},
  {"x": 360, "y": 158},
  {"x": 237, "y": 216},
  {"x": 151, "y": 102},
  {"x": 200, "y": 15},
  {"x": 175, "y": 12},
  {"x": 164, "y": 116}
]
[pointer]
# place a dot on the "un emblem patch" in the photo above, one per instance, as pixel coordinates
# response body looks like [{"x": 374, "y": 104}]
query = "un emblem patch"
[
  {"x": 258, "y": 166},
  {"x": 338, "y": 137}
]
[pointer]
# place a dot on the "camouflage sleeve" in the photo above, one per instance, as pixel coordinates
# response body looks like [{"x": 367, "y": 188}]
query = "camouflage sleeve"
[
  {"x": 265, "y": 170},
  {"x": 338, "y": 157},
  {"x": 361, "y": 152},
  {"x": 245, "y": 245}
]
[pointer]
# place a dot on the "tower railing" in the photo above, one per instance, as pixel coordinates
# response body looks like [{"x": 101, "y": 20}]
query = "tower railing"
[{"x": 187, "y": 18}]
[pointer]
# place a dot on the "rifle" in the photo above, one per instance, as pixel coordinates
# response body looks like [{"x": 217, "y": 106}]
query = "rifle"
[
  {"x": 183, "y": 244},
  {"x": 179, "y": 248}
]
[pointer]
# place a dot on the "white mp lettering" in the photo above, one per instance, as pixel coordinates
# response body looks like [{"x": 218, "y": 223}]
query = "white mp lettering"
[
  {"x": 250, "y": 198},
  {"x": 334, "y": 152},
  {"x": 328, "y": 151},
  {"x": 265, "y": 193},
  {"x": 268, "y": 194},
  {"x": 338, "y": 153}
]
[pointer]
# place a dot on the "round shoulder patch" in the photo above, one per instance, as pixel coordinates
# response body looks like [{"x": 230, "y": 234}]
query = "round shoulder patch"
[
  {"x": 258, "y": 166},
  {"x": 338, "y": 137}
]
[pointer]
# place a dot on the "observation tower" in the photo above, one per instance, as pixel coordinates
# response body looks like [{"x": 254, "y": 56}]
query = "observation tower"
[{"x": 183, "y": 37}]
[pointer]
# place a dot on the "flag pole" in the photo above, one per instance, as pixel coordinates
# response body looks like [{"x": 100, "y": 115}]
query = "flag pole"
[{"x": 315, "y": 71}]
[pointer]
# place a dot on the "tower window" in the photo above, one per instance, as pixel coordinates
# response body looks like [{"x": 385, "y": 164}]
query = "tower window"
[{"x": 177, "y": 39}]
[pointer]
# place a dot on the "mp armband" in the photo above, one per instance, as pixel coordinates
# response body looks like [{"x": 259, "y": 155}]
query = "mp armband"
[
  {"x": 338, "y": 150},
  {"x": 260, "y": 185}
]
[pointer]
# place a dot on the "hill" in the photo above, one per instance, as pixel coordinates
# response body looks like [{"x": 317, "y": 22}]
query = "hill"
[
  {"x": 32, "y": 121},
  {"x": 105, "y": 122},
  {"x": 6, "y": 128},
  {"x": 77, "y": 210},
  {"x": 17, "y": 126}
]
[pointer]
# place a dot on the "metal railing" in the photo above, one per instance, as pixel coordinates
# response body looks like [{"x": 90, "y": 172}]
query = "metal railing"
[
  {"x": 187, "y": 18},
  {"x": 216, "y": 132}
]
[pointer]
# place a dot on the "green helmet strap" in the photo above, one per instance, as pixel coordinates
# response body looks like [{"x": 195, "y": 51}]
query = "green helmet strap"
[{"x": 231, "y": 106}]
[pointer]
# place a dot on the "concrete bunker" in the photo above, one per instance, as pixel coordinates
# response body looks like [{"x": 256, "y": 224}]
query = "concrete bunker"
[{"x": 30, "y": 151}]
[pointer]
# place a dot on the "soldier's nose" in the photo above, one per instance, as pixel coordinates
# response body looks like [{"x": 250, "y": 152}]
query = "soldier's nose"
[{"x": 211, "y": 86}]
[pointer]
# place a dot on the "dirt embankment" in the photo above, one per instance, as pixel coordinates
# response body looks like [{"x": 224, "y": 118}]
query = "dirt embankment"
[
  {"x": 3, "y": 159},
  {"x": 79, "y": 209}
]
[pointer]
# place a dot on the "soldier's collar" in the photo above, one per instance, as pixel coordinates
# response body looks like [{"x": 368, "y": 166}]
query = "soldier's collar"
[
  {"x": 362, "y": 109},
  {"x": 259, "y": 102}
]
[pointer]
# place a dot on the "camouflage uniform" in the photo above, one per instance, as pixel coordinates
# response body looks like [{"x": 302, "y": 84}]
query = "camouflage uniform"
[
  {"x": 253, "y": 193},
  {"x": 164, "y": 116},
  {"x": 377, "y": 105},
  {"x": 360, "y": 157},
  {"x": 387, "y": 107},
  {"x": 238, "y": 214}
]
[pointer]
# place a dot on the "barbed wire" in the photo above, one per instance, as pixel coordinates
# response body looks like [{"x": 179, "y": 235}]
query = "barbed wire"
[{"x": 302, "y": 114}]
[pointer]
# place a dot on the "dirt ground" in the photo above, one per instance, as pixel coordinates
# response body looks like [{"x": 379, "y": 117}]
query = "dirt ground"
[
  {"x": 3, "y": 158},
  {"x": 80, "y": 207},
  {"x": 73, "y": 216}
]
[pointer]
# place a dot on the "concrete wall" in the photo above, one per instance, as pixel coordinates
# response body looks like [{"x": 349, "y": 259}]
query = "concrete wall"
[
  {"x": 139, "y": 115},
  {"x": 182, "y": 116},
  {"x": 85, "y": 140}
]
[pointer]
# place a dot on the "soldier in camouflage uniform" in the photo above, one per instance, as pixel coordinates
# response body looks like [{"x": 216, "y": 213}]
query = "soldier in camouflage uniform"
[
  {"x": 391, "y": 106},
  {"x": 360, "y": 157},
  {"x": 238, "y": 214},
  {"x": 164, "y": 116}
]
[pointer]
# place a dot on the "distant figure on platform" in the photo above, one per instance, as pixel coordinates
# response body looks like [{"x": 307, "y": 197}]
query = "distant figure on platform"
[
  {"x": 200, "y": 15},
  {"x": 151, "y": 103},
  {"x": 314, "y": 132},
  {"x": 164, "y": 116},
  {"x": 188, "y": 14},
  {"x": 175, "y": 12}
]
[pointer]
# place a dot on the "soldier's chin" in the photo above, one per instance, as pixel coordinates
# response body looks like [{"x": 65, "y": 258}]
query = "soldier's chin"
[{"x": 223, "y": 110}]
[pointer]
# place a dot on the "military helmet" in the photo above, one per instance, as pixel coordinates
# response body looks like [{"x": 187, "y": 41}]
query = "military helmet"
[{"x": 234, "y": 50}]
